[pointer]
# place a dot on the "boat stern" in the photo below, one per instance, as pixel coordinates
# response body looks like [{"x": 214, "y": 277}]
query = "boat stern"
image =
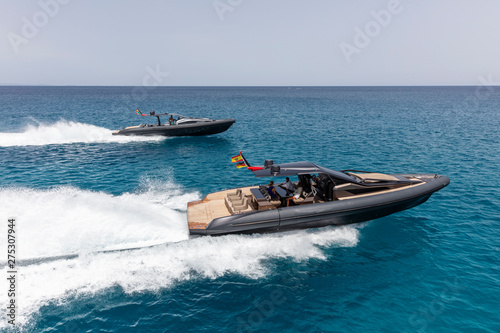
[{"x": 196, "y": 213}]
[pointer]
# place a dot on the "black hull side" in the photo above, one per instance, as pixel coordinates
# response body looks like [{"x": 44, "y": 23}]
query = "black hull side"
[
  {"x": 357, "y": 216},
  {"x": 323, "y": 214},
  {"x": 209, "y": 128}
]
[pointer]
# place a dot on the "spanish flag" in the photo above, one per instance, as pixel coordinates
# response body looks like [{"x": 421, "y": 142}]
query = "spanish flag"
[
  {"x": 241, "y": 165},
  {"x": 237, "y": 158},
  {"x": 240, "y": 161}
]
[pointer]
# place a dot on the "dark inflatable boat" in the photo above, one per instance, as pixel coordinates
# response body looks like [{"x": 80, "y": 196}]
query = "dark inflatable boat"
[
  {"x": 319, "y": 197},
  {"x": 182, "y": 126}
]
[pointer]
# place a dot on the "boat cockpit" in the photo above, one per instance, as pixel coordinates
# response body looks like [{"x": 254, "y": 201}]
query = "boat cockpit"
[{"x": 312, "y": 189}]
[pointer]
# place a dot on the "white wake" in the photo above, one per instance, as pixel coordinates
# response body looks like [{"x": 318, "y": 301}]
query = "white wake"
[
  {"x": 65, "y": 132},
  {"x": 68, "y": 220}
]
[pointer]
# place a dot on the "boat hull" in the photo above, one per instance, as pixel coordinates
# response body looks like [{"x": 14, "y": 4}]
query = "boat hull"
[
  {"x": 339, "y": 212},
  {"x": 198, "y": 129}
]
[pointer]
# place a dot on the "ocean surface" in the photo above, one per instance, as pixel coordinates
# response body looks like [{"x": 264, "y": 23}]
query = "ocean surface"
[{"x": 103, "y": 244}]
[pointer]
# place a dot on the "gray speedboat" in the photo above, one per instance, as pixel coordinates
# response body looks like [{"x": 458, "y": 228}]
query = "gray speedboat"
[
  {"x": 182, "y": 126},
  {"x": 327, "y": 197}
]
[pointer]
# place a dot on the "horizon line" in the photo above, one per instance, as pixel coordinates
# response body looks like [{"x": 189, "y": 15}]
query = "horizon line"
[{"x": 246, "y": 86}]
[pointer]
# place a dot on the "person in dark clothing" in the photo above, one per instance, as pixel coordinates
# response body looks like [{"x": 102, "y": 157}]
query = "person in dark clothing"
[
  {"x": 271, "y": 190},
  {"x": 319, "y": 185},
  {"x": 306, "y": 182}
]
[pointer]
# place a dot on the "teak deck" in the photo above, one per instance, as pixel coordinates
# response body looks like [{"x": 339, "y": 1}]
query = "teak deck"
[{"x": 201, "y": 213}]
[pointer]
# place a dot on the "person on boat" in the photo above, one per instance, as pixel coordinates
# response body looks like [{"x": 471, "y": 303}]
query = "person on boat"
[
  {"x": 288, "y": 186},
  {"x": 271, "y": 190},
  {"x": 319, "y": 185},
  {"x": 306, "y": 181},
  {"x": 324, "y": 187},
  {"x": 297, "y": 194},
  {"x": 171, "y": 120},
  {"x": 330, "y": 191}
]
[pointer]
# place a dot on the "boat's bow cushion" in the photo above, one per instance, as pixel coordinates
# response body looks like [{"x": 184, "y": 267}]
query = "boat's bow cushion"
[{"x": 373, "y": 176}]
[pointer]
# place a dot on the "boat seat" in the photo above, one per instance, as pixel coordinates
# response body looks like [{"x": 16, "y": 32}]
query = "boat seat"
[
  {"x": 236, "y": 201},
  {"x": 246, "y": 210},
  {"x": 307, "y": 199},
  {"x": 373, "y": 177},
  {"x": 229, "y": 205},
  {"x": 235, "y": 193},
  {"x": 240, "y": 205},
  {"x": 275, "y": 202},
  {"x": 243, "y": 208},
  {"x": 235, "y": 196},
  {"x": 298, "y": 201}
]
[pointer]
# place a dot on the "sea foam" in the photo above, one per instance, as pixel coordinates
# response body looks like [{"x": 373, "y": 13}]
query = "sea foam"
[
  {"x": 70, "y": 221},
  {"x": 67, "y": 220},
  {"x": 66, "y": 132}
]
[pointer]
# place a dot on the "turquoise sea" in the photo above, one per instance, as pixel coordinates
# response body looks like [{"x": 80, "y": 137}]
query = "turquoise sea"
[{"x": 103, "y": 244}]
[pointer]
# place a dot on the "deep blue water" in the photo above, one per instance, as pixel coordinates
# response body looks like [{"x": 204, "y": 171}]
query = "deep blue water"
[{"x": 75, "y": 191}]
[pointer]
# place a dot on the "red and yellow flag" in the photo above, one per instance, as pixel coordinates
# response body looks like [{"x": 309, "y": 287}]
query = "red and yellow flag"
[
  {"x": 237, "y": 158},
  {"x": 241, "y": 165},
  {"x": 240, "y": 161}
]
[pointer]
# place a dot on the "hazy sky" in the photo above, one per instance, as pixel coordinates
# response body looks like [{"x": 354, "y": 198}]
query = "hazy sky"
[{"x": 249, "y": 42}]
